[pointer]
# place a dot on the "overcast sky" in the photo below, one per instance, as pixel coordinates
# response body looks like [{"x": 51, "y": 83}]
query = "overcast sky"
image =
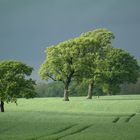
[{"x": 27, "y": 27}]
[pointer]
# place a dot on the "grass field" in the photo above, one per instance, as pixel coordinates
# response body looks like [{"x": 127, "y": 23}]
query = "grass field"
[{"x": 106, "y": 118}]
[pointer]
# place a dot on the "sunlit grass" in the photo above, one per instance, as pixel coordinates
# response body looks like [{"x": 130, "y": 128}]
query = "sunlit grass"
[{"x": 102, "y": 118}]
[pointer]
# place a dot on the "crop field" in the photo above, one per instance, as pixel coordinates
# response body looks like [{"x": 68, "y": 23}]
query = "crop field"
[{"x": 104, "y": 118}]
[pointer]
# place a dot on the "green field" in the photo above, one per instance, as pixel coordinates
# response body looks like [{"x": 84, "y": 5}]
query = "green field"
[{"x": 106, "y": 118}]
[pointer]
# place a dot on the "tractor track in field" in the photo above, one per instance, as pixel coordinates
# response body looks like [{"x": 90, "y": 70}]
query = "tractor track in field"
[
  {"x": 116, "y": 120},
  {"x": 126, "y": 120},
  {"x": 55, "y": 133},
  {"x": 64, "y": 129},
  {"x": 72, "y": 133},
  {"x": 130, "y": 117},
  {"x": 54, "y": 136}
]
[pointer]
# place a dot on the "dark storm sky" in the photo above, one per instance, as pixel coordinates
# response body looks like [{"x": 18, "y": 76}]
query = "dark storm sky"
[{"x": 27, "y": 27}]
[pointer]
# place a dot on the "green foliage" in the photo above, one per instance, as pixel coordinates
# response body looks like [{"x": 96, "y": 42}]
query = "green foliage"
[
  {"x": 130, "y": 88},
  {"x": 77, "y": 59},
  {"x": 111, "y": 89},
  {"x": 64, "y": 61},
  {"x": 91, "y": 58},
  {"x": 13, "y": 82},
  {"x": 53, "y": 89},
  {"x": 78, "y": 89},
  {"x": 120, "y": 68},
  {"x": 94, "y": 58},
  {"x": 102, "y": 37}
]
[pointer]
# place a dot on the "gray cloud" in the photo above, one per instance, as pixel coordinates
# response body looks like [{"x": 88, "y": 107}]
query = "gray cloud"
[{"x": 27, "y": 27}]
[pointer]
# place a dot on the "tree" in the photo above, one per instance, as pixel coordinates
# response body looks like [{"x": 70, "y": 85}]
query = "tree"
[
  {"x": 61, "y": 64},
  {"x": 13, "y": 82},
  {"x": 110, "y": 88},
  {"x": 120, "y": 68},
  {"x": 95, "y": 63},
  {"x": 130, "y": 88},
  {"x": 76, "y": 58},
  {"x": 51, "y": 89},
  {"x": 66, "y": 61}
]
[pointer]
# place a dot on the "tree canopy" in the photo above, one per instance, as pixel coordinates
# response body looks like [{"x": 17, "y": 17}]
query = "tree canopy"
[
  {"x": 95, "y": 64},
  {"x": 14, "y": 82},
  {"x": 120, "y": 68}
]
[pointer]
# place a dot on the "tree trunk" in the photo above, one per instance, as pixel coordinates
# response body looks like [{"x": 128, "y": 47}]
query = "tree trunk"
[
  {"x": 90, "y": 89},
  {"x": 2, "y": 106},
  {"x": 66, "y": 93}
]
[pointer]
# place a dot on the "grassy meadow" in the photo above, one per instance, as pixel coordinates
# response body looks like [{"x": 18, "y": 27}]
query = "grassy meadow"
[{"x": 104, "y": 118}]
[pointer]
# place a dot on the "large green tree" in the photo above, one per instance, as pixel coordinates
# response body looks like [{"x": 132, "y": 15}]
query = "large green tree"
[
  {"x": 95, "y": 58},
  {"x": 66, "y": 61},
  {"x": 120, "y": 68},
  {"x": 14, "y": 82},
  {"x": 58, "y": 65}
]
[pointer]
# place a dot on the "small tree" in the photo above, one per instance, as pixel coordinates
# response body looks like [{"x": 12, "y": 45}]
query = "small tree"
[
  {"x": 120, "y": 68},
  {"x": 13, "y": 82}
]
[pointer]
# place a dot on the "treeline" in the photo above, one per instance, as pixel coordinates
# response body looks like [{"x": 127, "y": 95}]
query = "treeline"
[
  {"x": 130, "y": 88},
  {"x": 55, "y": 89}
]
